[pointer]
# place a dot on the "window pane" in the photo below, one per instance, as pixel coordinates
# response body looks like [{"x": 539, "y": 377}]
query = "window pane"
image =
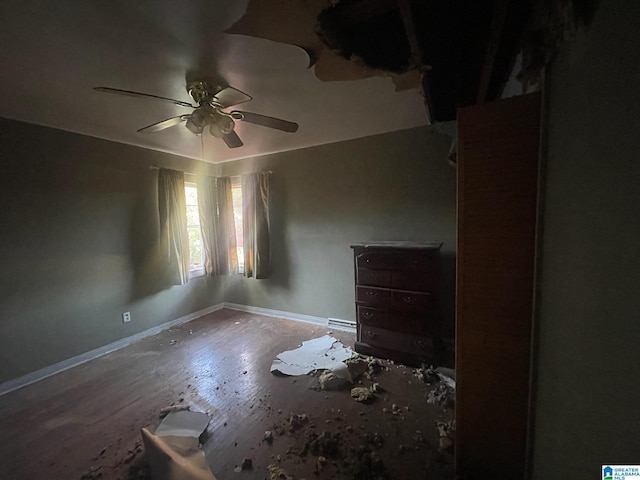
[
  {"x": 195, "y": 247},
  {"x": 193, "y": 217},
  {"x": 196, "y": 252},
  {"x": 236, "y": 194},
  {"x": 191, "y": 193}
]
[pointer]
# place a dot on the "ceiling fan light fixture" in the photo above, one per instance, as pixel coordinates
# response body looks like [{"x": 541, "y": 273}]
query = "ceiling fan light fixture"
[
  {"x": 198, "y": 120},
  {"x": 193, "y": 127},
  {"x": 220, "y": 129},
  {"x": 221, "y": 125},
  {"x": 200, "y": 117}
]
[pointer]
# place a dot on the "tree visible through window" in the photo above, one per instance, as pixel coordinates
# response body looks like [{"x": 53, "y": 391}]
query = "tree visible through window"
[{"x": 196, "y": 251}]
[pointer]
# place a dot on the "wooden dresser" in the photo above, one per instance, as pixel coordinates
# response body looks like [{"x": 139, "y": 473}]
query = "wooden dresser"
[{"x": 396, "y": 300}]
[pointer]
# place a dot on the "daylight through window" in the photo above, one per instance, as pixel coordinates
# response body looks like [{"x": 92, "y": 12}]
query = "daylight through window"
[
  {"x": 196, "y": 250},
  {"x": 236, "y": 193}
]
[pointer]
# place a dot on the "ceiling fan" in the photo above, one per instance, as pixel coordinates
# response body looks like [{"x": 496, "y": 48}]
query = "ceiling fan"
[{"x": 211, "y": 101}]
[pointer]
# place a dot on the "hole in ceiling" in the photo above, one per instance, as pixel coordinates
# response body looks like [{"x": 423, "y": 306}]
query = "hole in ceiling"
[{"x": 376, "y": 36}]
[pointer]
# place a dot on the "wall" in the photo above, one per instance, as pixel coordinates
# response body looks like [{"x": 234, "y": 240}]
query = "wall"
[
  {"x": 78, "y": 229},
  {"x": 588, "y": 382},
  {"x": 396, "y": 186}
]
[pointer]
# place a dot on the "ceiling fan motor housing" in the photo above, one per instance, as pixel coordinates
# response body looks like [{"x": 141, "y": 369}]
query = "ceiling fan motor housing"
[{"x": 202, "y": 91}]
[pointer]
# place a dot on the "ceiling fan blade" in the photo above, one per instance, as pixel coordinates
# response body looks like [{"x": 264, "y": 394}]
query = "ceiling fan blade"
[
  {"x": 143, "y": 95},
  {"x": 169, "y": 122},
  {"x": 230, "y": 96},
  {"x": 265, "y": 121},
  {"x": 232, "y": 140}
]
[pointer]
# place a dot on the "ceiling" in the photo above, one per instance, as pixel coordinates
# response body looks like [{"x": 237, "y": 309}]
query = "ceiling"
[{"x": 53, "y": 53}]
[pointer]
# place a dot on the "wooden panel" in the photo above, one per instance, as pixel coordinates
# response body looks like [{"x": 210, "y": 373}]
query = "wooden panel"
[{"x": 497, "y": 192}]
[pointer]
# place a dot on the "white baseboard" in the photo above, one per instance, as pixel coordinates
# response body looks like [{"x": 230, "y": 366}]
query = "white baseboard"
[
  {"x": 43, "y": 373},
  {"x": 337, "y": 324}
]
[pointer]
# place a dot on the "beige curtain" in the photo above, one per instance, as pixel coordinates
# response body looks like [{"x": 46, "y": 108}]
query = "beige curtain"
[
  {"x": 174, "y": 239},
  {"x": 215, "y": 206},
  {"x": 255, "y": 222}
]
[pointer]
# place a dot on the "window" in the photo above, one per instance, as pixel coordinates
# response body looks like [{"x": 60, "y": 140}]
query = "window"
[
  {"x": 236, "y": 194},
  {"x": 196, "y": 250}
]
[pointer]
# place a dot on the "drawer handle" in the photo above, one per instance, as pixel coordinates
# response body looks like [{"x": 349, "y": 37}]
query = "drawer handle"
[
  {"x": 370, "y": 334},
  {"x": 367, "y": 315},
  {"x": 410, "y": 299},
  {"x": 372, "y": 293}
]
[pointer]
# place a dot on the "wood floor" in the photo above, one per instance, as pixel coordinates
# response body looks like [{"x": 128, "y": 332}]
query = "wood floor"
[{"x": 87, "y": 420}]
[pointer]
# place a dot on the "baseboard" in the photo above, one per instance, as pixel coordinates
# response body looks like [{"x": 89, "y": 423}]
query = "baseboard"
[
  {"x": 338, "y": 324},
  {"x": 43, "y": 373}
]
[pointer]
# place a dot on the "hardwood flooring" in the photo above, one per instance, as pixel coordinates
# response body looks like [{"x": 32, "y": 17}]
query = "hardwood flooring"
[{"x": 87, "y": 420}]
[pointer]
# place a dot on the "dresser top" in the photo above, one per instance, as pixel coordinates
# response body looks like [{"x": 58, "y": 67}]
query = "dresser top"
[{"x": 398, "y": 244}]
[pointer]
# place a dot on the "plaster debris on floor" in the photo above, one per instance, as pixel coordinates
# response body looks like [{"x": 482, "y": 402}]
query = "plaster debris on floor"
[
  {"x": 324, "y": 353},
  {"x": 338, "y": 445},
  {"x": 381, "y": 420},
  {"x": 173, "y": 451},
  {"x": 361, "y": 394}
]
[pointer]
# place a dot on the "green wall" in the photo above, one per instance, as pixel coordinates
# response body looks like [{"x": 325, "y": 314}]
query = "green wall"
[
  {"x": 396, "y": 186},
  {"x": 78, "y": 228},
  {"x": 587, "y": 376}
]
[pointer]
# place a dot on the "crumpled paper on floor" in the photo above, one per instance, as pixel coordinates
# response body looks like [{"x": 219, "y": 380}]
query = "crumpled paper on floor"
[{"x": 173, "y": 451}]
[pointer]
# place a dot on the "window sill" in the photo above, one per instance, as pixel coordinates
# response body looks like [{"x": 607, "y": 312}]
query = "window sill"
[{"x": 196, "y": 273}]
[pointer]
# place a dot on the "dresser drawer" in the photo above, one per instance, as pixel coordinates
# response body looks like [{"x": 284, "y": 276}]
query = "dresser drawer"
[
  {"x": 410, "y": 301},
  {"x": 400, "y": 300},
  {"x": 393, "y": 340},
  {"x": 418, "y": 281},
  {"x": 376, "y": 278},
  {"x": 416, "y": 324},
  {"x": 402, "y": 260},
  {"x": 375, "y": 297},
  {"x": 373, "y": 317},
  {"x": 403, "y": 280}
]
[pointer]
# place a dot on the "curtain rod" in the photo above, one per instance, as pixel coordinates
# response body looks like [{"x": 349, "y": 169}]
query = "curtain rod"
[{"x": 155, "y": 167}]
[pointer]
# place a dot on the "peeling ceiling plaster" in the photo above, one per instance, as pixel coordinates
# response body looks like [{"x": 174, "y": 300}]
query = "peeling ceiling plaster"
[{"x": 53, "y": 53}]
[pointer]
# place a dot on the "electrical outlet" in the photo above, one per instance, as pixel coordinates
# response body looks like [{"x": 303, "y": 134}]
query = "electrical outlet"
[{"x": 126, "y": 317}]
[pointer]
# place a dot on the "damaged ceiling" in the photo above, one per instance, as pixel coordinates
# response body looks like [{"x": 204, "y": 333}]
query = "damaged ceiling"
[
  {"x": 341, "y": 69},
  {"x": 53, "y": 54}
]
